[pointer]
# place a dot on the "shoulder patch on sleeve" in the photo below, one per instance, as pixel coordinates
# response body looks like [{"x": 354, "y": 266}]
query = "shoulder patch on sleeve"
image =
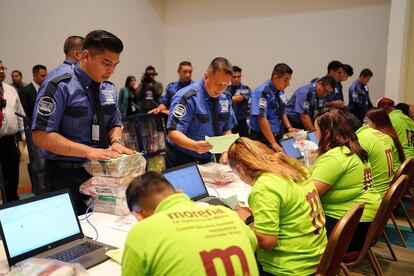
[{"x": 65, "y": 76}]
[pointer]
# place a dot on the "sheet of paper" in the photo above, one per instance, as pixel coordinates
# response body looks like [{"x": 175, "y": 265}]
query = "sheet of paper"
[
  {"x": 115, "y": 254},
  {"x": 121, "y": 223},
  {"x": 221, "y": 143}
]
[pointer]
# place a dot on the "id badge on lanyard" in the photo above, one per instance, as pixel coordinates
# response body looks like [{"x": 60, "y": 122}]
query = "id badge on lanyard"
[{"x": 95, "y": 129}]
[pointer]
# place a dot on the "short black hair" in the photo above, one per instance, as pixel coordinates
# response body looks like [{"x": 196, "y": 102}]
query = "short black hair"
[
  {"x": 327, "y": 80},
  {"x": 405, "y": 108},
  {"x": 366, "y": 73},
  {"x": 353, "y": 122},
  {"x": 183, "y": 63},
  {"x": 150, "y": 67},
  {"x": 72, "y": 43},
  {"x": 18, "y": 72},
  {"x": 280, "y": 69},
  {"x": 220, "y": 64},
  {"x": 335, "y": 65},
  {"x": 100, "y": 40},
  {"x": 37, "y": 68},
  {"x": 348, "y": 70},
  {"x": 144, "y": 186},
  {"x": 236, "y": 69}
]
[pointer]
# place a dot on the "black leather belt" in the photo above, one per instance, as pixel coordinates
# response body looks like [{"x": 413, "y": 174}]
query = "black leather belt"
[{"x": 65, "y": 164}]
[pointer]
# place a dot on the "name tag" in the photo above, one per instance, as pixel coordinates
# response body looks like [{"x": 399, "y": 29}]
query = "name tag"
[
  {"x": 224, "y": 106},
  {"x": 108, "y": 97}
]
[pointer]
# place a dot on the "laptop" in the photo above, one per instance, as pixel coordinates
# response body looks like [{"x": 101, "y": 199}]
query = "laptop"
[
  {"x": 187, "y": 178},
  {"x": 46, "y": 226},
  {"x": 312, "y": 137},
  {"x": 287, "y": 145}
]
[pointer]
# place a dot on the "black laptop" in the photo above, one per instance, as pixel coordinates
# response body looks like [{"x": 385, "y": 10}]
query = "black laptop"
[
  {"x": 289, "y": 148},
  {"x": 46, "y": 226},
  {"x": 187, "y": 178}
]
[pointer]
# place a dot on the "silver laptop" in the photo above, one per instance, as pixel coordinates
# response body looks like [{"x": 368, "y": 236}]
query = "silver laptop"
[
  {"x": 187, "y": 178},
  {"x": 46, "y": 226}
]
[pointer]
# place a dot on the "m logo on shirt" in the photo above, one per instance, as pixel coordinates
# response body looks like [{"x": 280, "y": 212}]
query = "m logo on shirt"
[
  {"x": 225, "y": 255},
  {"x": 318, "y": 218},
  {"x": 368, "y": 183}
]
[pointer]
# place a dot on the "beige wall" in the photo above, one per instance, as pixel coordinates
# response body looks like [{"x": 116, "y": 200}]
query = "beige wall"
[
  {"x": 258, "y": 34},
  {"x": 252, "y": 34},
  {"x": 409, "y": 92},
  {"x": 33, "y": 32}
]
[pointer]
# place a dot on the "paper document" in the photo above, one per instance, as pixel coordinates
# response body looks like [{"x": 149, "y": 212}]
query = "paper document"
[
  {"x": 221, "y": 143},
  {"x": 115, "y": 254}
]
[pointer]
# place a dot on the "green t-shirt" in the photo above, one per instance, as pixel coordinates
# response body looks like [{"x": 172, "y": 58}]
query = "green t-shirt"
[
  {"x": 351, "y": 181},
  {"x": 380, "y": 148},
  {"x": 294, "y": 213},
  {"x": 404, "y": 126},
  {"x": 182, "y": 238}
]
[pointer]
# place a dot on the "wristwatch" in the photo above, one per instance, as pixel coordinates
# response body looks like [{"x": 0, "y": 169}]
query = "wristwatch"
[
  {"x": 119, "y": 141},
  {"x": 249, "y": 220}
]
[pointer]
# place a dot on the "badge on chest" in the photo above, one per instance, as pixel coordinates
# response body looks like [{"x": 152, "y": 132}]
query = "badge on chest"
[{"x": 224, "y": 106}]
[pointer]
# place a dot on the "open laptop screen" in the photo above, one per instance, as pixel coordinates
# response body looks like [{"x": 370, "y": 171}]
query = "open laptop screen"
[
  {"x": 31, "y": 225},
  {"x": 187, "y": 178},
  {"x": 312, "y": 137},
  {"x": 287, "y": 145}
]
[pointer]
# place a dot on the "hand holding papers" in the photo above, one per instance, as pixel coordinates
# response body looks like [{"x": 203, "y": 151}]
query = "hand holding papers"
[{"x": 222, "y": 143}]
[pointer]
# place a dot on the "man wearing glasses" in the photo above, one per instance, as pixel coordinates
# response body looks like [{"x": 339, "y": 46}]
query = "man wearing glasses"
[
  {"x": 198, "y": 110},
  {"x": 10, "y": 124},
  {"x": 307, "y": 101}
]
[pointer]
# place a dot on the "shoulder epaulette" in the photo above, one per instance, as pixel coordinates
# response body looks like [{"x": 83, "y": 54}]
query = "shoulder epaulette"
[
  {"x": 65, "y": 76},
  {"x": 189, "y": 94},
  {"x": 109, "y": 82}
]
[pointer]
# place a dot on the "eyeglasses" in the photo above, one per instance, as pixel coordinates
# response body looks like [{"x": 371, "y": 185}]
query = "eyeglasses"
[{"x": 3, "y": 68}]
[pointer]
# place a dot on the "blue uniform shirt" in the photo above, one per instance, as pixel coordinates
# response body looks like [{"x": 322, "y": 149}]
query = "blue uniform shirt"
[
  {"x": 240, "y": 109},
  {"x": 66, "y": 67},
  {"x": 358, "y": 96},
  {"x": 170, "y": 91},
  {"x": 191, "y": 113},
  {"x": 266, "y": 102},
  {"x": 63, "y": 106},
  {"x": 304, "y": 101},
  {"x": 336, "y": 95}
]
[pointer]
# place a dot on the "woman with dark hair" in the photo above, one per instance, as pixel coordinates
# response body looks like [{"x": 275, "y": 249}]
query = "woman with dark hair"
[
  {"x": 378, "y": 118},
  {"x": 126, "y": 95},
  {"x": 288, "y": 216},
  {"x": 403, "y": 125},
  {"x": 342, "y": 174}
]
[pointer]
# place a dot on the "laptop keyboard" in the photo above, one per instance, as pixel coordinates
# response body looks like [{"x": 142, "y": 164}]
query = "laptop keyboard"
[{"x": 75, "y": 252}]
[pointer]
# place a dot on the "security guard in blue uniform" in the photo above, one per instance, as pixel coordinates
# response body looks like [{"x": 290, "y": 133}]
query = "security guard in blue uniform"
[
  {"x": 77, "y": 118},
  {"x": 359, "y": 101},
  {"x": 267, "y": 108},
  {"x": 198, "y": 110},
  {"x": 335, "y": 71},
  {"x": 185, "y": 71},
  {"x": 72, "y": 49},
  {"x": 240, "y": 95},
  {"x": 307, "y": 101}
]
